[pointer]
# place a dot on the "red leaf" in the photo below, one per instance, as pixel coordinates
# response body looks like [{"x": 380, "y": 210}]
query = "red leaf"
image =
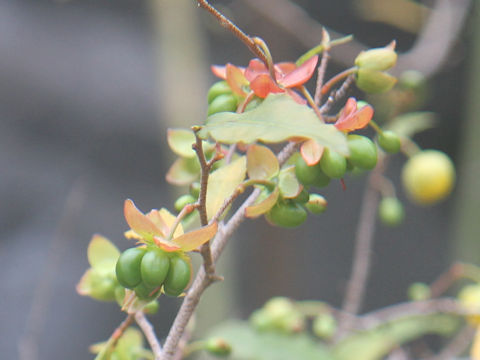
[
  {"x": 264, "y": 85},
  {"x": 219, "y": 71},
  {"x": 301, "y": 74},
  {"x": 284, "y": 68},
  {"x": 254, "y": 69},
  {"x": 236, "y": 79}
]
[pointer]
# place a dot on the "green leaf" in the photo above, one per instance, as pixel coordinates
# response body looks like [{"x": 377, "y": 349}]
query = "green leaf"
[
  {"x": 262, "y": 163},
  {"x": 184, "y": 171},
  {"x": 249, "y": 344},
  {"x": 412, "y": 123},
  {"x": 277, "y": 119},
  {"x": 376, "y": 343},
  {"x": 223, "y": 182},
  {"x": 288, "y": 183},
  {"x": 262, "y": 206},
  {"x": 102, "y": 254},
  {"x": 181, "y": 141}
]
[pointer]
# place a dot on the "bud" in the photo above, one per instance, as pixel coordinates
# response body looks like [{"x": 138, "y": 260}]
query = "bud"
[
  {"x": 324, "y": 326},
  {"x": 182, "y": 201},
  {"x": 379, "y": 59},
  {"x": 418, "y": 291},
  {"x": 373, "y": 81},
  {"x": 218, "y": 347},
  {"x": 390, "y": 211},
  {"x": 316, "y": 204},
  {"x": 389, "y": 142}
]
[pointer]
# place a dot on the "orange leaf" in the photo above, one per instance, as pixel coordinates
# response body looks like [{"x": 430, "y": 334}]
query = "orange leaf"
[
  {"x": 219, "y": 71},
  {"x": 236, "y": 80},
  {"x": 139, "y": 222},
  {"x": 263, "y": 206},
  {"x": 311, "y": 152},
  {"x": 262, "y": 163},
  {"x": 300, "y": 75},
  {"x": 193, "y": 239},
  {"x": 263, "y": 85}
]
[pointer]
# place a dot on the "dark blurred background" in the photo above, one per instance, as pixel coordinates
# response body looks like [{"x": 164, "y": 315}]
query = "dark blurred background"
[{"x": 87, "y": 91}]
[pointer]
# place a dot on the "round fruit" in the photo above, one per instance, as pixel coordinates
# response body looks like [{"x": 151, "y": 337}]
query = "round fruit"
[
  {"x": 218, "y": 347},
  {"x": 363, "y": 152},
  {"x": 469, "y": 298},
  {"x": 102, "y": 287},
  {"x": 289, "y": 214},
  {"x": 390, "y": 211},
  {"x": 128, "y": 267},
  {"x": 302, "y": 198},
  {"x": 145, "y": 292},
  {"x": 316, "y": 204},
  {"x": 310, "y": 175},
  {"x": 225, "y": 102},
  {"x": 324, "y": 326},
  {"x": 195, "y": 189},
  {"x": 333, "y": 164},
  {"x": 119, "y": 294},
  {"x": 389, "y": 141},
  {"x": 418, "y": 291},
  {"x": 154, "y": 267},
  {"x": 428, "y": 176},
  {"x": 151, "y": 307},
  {"x": 182, "y": 201},
  {"x": 178, "y": 276},
  {"x": 217, "y": 89}
]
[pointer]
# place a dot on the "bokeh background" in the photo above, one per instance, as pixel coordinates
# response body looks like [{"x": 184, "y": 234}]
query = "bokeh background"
[{"x": 87, "y": 91}]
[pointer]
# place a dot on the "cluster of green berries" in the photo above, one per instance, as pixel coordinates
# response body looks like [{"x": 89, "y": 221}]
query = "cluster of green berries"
[
  {"x": 221, "y": 98},
  {"x": 147, "y": 269}
]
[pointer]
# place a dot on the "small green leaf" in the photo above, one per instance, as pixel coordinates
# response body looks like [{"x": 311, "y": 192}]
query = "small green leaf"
[
  {"x": 409, "y": 124},
  {"x": 288, "y": 183},
  {"x": 277, "y": 119},
  {"x": 374, "y": 344},
  {"x": 263, "y": 206},
  {"x": 102, "y": 254},
  {"x": 223, "y": 182},
  {"x": 183, "y": 171},
  {"x": 181, "y": 141},
  {"x": 249, "y": 344},
  {"x": 262, "y": 163}
]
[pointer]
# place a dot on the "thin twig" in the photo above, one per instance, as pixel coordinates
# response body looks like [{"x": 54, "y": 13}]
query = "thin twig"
[
  {"x": 235, "y": 30},
  {"x": 311, "y": 102},
  {"x": 201, "y": 281},
  {"x": 322, "y": 68},
  {"x": 149, "y": 333},
  {"x": 337, "y": 94}
]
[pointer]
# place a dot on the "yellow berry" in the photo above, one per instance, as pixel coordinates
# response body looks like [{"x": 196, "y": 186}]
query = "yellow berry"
[
  {"x": 469, "y": 297},
  {"x": 428, "y": 177}
]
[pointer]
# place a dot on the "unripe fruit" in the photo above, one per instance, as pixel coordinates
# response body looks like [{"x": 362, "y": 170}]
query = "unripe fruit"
[
  {"x": 182, "y": 201},
  {"x": 119, "y": 294},
  {"x": 428, "y": 176},
  {"x": 377, "y": 59},
  {"x": 222, "y": 103},
  {"x": 373, "y": 81},
  {"x": 302, "y": 198},
  {"x": 324, "y": 326},
  {"x": 195, "y": 189},
  {"x": 154, "y": 267},
  {"x": 333, "y": 164},
  {"x": 418, "y": 291},
  {"x": 218, "y": 347},
  {"x": 389, "y": 141},
  {"x": 363, "y": 152},
  {"x": 217, "y": 89},
  {"x": 151, "y": 307},
  {"x": 469, "y": 297},
  {"x": 145, "y": 292},
  {"x": 102, "y": 286},
  {"x": 316, "y": 204},
  {"x": 412, "y": 80},
  {"x": 288, "y": 214},
  {"x": 310, "y": 175},
  {"x": 128, "y": 267},
  {"x": 390, "y": 211},
  {"x": 178, "y": 276}
]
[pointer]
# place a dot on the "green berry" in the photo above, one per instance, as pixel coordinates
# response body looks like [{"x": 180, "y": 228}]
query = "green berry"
[
  {"x": 145, "y": 292},
  {"x": 418, "y": 291},
  {"x": 218, "y": 347},
  {"x": 324, "y": 326},
  {"x": 182, "y": 201},
  {"x": 217, "y": 89},
  {"x": 102, "y": 286},
  {"x": 119, "y": 294},
  {"x": 302, "y": 198},
  {"x": 154, "y": 267},
  {"x": 373, "y": 81},
  {"x": 389, "y": 142},
  {"x": 287, "y": 214},
  {"x": 310, "y": 175},
  {"x": 195, "y": 189},
  {"x": 178, "y": 276},
  {"x": 316, "y": 204},
  {"x": 222, "y": 103},
  {"x": 390, "y": 211},
  {"x": 333, "y": 164},
  {"x": 363, "y": 152},
  {"x": 151, "y": 307},
  {"x": 128, "y": 267}
]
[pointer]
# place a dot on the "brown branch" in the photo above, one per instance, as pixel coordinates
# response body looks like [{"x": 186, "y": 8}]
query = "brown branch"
[
  {"x": 149, "y": 333},
  {"x": 337, "y": 94}
]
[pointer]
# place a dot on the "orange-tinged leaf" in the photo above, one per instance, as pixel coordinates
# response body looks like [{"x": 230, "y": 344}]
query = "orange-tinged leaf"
[
  {"x": 311, "y": 152},
  {"x": 263, "y": 85},
  {"x": 288, "y": 183},
  {"x": 285, "y": 67},
  {"x": 84, "y": 286},
  {"x": 139, "y": 222},
  {"x": 301, "y": 74},
  {"x": 183, "y": 171},
  {"x": 166, "y": 245},
  {"x": 236, "y": 80},
  {"x": 181, "y": 141},
  {"x": 263, "y": 206},
  {"x": 357, "y": 120},
  {"x": 102, "y": 254},
  {"x": 223, "y": 182},
  {"x": 155, "y": 217},
  {"x": 169, "y": 219},
  {"x": 255, "y": 68},
  {"x": 193, "y": 239},
  {"x": 262, "y": 163},
  {"x": 219, "y": 71}
]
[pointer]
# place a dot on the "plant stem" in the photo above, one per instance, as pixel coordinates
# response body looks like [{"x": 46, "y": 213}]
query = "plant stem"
[
  {"x": 321, "y": 77},
  {"x": 335, "y": 96},
  {"x": 149, "y": 333},
  {"x": 235, "y": 30},
  {"x": 112, "y": 341},
  {"x": 311, "y": 102},
  {"x": 340, "y": 76}
]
